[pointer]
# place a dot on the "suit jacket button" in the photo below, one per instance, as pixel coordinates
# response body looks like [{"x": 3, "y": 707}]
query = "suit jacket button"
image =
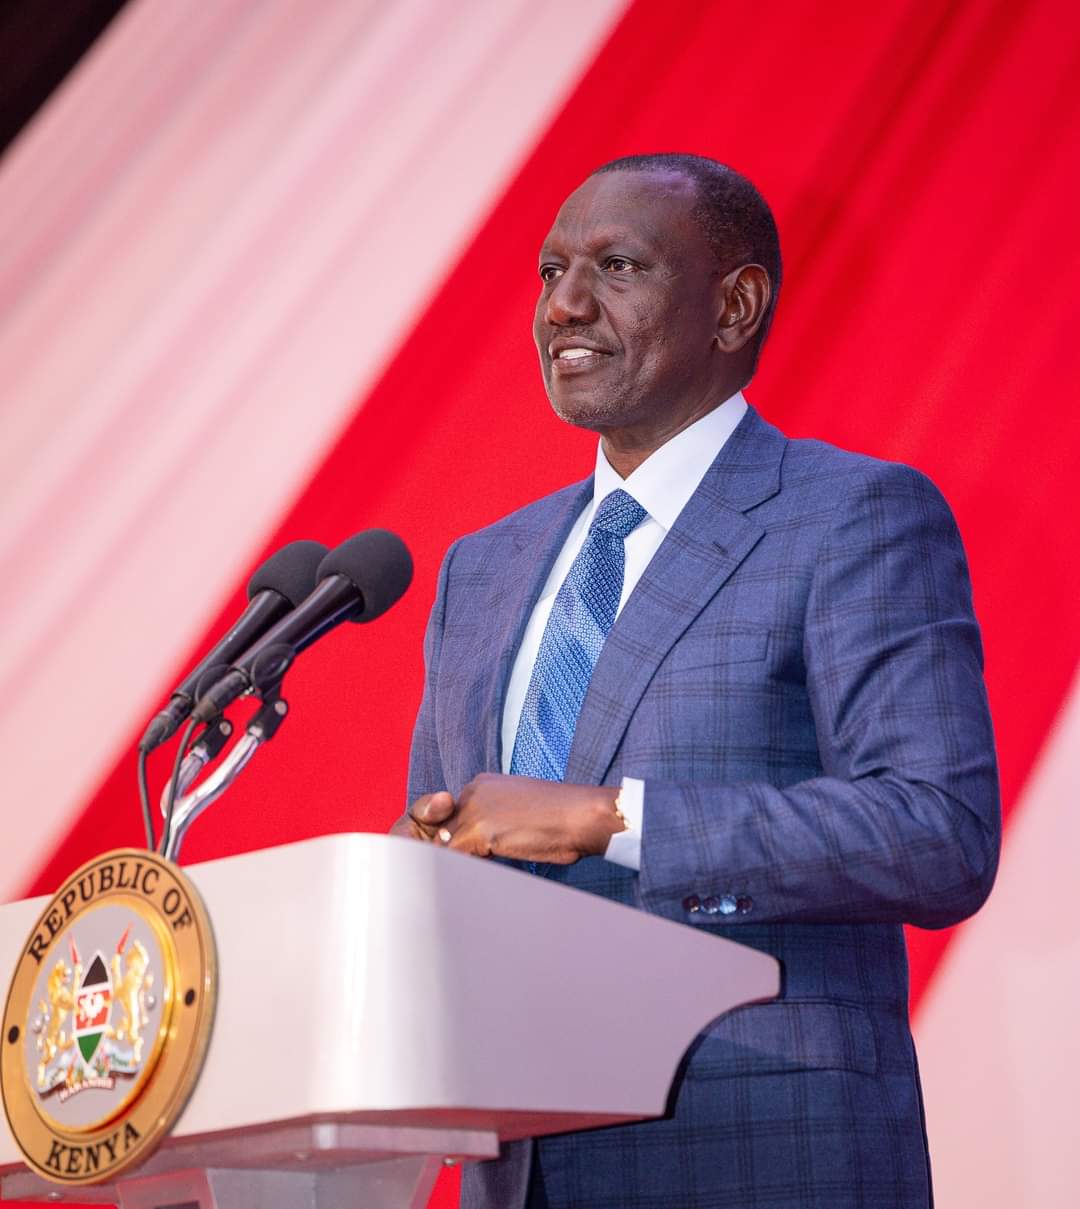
[
  {"x": 692, "y": 904},
  {"x": 728, "y": 905},
  {"x": 744, "y": 904},
  {"x": 710, "y": 905}
]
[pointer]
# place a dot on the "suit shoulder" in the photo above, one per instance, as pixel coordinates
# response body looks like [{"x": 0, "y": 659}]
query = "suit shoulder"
[
  {"x": 815, "y": 464},
  {"x": 528, "y": 520}
]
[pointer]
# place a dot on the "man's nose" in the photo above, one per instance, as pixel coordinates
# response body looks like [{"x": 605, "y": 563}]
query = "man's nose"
[{"x": 571, "y": 300}]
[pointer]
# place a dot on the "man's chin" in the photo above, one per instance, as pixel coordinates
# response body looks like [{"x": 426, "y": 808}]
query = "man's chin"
[{"x": 585, "y": 411}]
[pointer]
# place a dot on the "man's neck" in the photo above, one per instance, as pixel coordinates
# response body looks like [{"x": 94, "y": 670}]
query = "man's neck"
[{"x": 626, "y": 448}]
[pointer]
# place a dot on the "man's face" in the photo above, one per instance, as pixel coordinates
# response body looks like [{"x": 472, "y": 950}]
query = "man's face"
[{"x": 626, "y": 319}]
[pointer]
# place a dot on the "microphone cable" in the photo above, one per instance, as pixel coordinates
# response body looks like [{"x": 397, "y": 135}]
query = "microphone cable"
[{"x": 144, "y": 799}]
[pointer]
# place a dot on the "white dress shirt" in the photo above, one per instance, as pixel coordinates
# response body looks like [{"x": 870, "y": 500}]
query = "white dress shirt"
[{"x": 662, "y": 485}]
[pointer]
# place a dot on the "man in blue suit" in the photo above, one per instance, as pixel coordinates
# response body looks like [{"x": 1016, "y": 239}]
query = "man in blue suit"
[{"x": 732, "y": 679}]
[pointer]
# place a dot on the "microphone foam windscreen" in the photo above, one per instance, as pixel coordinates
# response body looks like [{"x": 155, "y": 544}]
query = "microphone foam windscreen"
[
  {"x": 378, "y": 563},
  {"x": 292, "y": 572}
]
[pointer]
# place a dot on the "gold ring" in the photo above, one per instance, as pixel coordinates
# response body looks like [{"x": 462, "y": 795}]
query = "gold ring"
[{"x": 444, "y": 835}]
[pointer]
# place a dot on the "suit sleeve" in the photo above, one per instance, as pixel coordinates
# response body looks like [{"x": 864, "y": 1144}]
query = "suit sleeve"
[
  {"x": 903, "y": 825},
  {"x": 425, "y": 763}
]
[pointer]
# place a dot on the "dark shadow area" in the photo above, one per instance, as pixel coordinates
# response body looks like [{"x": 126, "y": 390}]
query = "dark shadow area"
[{"x": 40, "y": 42}]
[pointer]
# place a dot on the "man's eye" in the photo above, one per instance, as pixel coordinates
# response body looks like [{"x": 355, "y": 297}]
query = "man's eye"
[
  {"x": 548, "y": 272},
  {"x": 619, "y": 264}
]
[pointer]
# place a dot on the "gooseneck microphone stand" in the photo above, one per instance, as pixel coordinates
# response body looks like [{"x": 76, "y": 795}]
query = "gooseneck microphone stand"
[
  {"x": 261, "y": 729},
  {"x": 180, "y": 808}
]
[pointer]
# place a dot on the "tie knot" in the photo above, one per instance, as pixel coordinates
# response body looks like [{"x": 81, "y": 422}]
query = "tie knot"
[{"x": 619, "y": 513}]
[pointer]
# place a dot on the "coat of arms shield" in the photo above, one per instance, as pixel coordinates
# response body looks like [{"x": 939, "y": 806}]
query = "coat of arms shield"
[{"x": 93, "y": 1002}]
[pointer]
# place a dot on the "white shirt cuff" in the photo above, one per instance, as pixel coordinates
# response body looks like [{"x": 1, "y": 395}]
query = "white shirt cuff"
[{"x": 624, "y": 847}]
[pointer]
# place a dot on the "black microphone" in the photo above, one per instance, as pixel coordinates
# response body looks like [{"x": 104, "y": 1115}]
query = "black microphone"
[
  {"x": 358, "y": 582},
  {"x": 275, "y": 589}
]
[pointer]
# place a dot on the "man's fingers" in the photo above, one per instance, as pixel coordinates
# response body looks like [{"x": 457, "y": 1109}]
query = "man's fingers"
[
  {"x": 408, "y": 827},
  {"x": 433, "y": 809},
  {"x": 425, "y": 817},
  {"x": 471, "y": 838}
]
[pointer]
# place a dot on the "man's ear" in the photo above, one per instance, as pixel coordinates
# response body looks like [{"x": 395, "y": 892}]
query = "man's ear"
[{"x": 744, "y": 299}]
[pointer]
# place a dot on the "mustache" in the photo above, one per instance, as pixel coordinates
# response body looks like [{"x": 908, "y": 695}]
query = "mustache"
[{"x": 547, "y": 336}]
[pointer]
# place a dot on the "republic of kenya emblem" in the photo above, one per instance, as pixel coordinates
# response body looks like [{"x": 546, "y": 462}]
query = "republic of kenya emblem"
[{"x": 107, "y": 1017}]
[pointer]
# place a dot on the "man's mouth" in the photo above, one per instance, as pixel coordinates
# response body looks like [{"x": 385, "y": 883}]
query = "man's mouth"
[{"x": 573, "y": 358}]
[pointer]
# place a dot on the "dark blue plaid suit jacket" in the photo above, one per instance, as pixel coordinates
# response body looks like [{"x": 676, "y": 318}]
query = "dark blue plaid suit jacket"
[{"x": 797, "y": 678}]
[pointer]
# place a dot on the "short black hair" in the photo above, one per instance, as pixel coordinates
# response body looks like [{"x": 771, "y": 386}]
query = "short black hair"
[{"x": 732, "y": 214}]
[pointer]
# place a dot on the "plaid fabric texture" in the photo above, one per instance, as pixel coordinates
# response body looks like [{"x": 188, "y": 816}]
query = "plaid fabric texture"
[{"x": 797, "y": 677}]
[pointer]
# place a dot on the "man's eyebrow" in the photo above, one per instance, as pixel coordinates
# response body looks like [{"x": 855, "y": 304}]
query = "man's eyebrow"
[{"x": 607, "y": 241}]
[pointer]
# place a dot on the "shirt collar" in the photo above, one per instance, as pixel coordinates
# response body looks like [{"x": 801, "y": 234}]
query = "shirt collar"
[{"x": 665, "y": 481}]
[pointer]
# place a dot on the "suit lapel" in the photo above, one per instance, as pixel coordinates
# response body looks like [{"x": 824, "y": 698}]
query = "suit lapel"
[
  {"x": 706, "y": 544},
  {"x": 514, "y": 592}
]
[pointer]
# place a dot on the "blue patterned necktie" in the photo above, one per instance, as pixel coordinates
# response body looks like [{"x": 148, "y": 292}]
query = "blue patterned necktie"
[{"x": 583, "y": 613}]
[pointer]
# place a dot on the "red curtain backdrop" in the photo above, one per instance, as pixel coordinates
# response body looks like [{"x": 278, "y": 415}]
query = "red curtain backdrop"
[{"x": 921, "y": 160}]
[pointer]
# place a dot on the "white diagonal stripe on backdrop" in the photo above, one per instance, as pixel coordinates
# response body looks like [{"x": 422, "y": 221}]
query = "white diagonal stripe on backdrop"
[
  {"x": 996, "y": 1030},
  {"x": 190, "y": 312}
]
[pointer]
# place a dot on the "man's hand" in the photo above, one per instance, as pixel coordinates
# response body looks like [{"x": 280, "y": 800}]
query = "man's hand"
[
  {"x": 517, "y": 817},
  {"x": 531, "y": 820}
]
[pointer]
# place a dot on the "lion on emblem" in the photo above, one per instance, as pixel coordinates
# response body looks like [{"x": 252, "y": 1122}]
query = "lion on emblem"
[
  {"x": 54, "y": 1043},
  {"x": 131, "y": 985}
]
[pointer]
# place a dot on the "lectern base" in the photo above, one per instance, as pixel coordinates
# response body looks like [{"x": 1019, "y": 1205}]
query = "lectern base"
[
  {"x": 322, "y": 1165},
  {"x": 405, "y": 1183}
]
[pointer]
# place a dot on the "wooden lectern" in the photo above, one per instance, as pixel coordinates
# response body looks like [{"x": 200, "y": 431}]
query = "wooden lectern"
[{"x": 385, "y": 1006}]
